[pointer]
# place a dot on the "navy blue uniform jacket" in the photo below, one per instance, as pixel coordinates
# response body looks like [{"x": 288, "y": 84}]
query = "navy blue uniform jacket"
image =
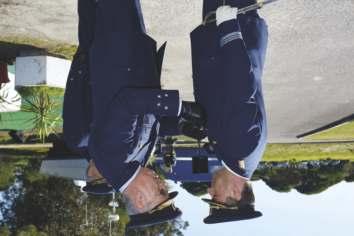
[
  {"x": 227, "y": 68},
  {"x": 124, "y": 69}
]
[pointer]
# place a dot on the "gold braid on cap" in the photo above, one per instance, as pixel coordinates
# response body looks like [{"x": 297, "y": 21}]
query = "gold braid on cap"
[
  {"x": 163, "y": 206},
  {"x": 218, "y": 206}
]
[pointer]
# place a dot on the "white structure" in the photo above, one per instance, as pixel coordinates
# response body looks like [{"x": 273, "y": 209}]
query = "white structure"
[
  {"x": 42, "y": 70},
  {"x": 10, "y": 100}
]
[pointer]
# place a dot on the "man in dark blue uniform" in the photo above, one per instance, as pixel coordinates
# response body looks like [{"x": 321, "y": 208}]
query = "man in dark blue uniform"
[
  {"x": 77, "y": 112},
  {"x": 114, "y": 105},
  {"x": 228, "y": 61}
]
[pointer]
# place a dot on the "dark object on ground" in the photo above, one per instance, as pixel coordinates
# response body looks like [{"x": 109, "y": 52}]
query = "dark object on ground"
[
  {"x": 17, "y": 136},
  {"x": 61, "y": 149},
  {"x": 53, "y": 138},
  {"x": 32, "y": 139}
]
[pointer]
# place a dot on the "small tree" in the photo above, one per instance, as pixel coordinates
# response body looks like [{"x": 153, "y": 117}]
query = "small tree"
[{"x": 44, "y": 119}]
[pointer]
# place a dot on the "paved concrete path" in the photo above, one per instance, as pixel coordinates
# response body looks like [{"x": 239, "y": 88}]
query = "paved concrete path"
[
  {"x": 26, "y": 146},
  {"x": 308, "y": 80}
]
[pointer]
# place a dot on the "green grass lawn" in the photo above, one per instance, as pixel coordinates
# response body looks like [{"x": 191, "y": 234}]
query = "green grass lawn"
[
  {"x": 302, "y": 152},
  {"x": 274, "y": 152},
  {"x": 306, "y": 152},
  {"x": 342, "y": 132},
  {"x": 26, "y": 153},
  {"x": 51, "y": 47},
  {"x": 298, "y": 152}
]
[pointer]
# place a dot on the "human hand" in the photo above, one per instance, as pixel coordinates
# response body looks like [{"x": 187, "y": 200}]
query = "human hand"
[
  {"x": 225, "y": 13},
  {"x": 226, "y": 186}
]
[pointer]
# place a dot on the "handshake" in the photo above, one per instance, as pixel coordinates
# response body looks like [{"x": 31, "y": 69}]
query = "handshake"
[{"x": 192, "y": 121}]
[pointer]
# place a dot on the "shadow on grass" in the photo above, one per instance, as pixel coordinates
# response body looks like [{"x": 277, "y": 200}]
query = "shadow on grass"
[
  {"x": 9, "y": 51},
  {"x": 20, "y": 153},
  {"x": 11, "y": 47}
]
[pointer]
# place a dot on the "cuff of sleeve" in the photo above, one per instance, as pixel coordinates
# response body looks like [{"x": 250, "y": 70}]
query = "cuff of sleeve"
[
  {"x": 125, "y": 186},
  {"x": 230, "y": 37},
  {"x": 223, "y": 17},
  {"x": 168, "y": 103},
  {"x": 233, "y": 172},
  {"x": 229, "y": 31}
]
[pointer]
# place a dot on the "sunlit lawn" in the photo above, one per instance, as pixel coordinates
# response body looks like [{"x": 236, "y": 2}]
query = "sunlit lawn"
[
  {"x": 274, "y": 152},
  {"x": 311, "y": 151},
  {"x": 342, "y": 132},
  {"x": 27, "y": 152},
  {"x": 301, "y": 152},
  {"x": 52, "y": 47}
]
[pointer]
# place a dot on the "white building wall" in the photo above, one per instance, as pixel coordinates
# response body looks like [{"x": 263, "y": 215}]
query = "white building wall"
[
  {"x": 30, "y": 71},
  {"x": 57, "y": 72},
  {"x": 42, "y": 70}
]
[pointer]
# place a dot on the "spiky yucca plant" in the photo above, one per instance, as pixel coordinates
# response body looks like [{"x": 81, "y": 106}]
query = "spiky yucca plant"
[{"x": 44, "y": 119}]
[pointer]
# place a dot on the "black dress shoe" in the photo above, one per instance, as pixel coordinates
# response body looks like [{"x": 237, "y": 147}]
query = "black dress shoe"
[{"x": 17, "y": 136}]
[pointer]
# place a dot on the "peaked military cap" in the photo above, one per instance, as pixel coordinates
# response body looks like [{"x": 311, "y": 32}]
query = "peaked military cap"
[
  {"x": 98, "y": 187},
  {"x": 164, "y": 212},
  {"x": 221, "y": 213}
]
